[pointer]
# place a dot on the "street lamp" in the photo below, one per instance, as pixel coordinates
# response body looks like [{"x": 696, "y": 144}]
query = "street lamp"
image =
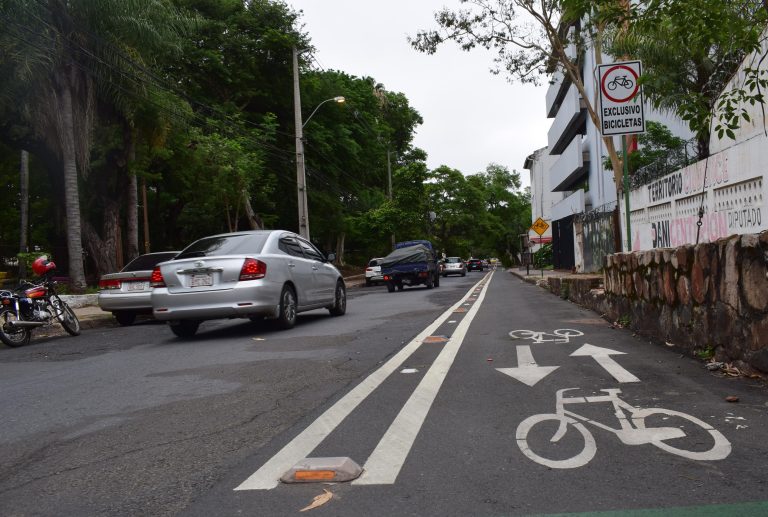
[{"x": 301, "y": 176}]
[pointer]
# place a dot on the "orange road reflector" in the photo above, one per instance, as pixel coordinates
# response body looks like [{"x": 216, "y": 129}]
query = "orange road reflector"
[
  {"x": 315, "y": 470},
  {"x": 435, "y": 339},
  {"x": 460, "y": 309}
]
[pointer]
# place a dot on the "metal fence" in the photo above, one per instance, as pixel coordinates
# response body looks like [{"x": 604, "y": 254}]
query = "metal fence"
[{"x": 674, "y": 160}]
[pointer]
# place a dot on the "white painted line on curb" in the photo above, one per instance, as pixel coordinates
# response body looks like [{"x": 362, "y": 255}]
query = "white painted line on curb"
[
  {"x": 384, "y": 464},
  {"x": 268, "y": 476}
]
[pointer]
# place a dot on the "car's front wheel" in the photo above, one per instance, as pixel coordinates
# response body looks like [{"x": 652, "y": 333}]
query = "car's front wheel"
[{"x": 286, "y": 319}]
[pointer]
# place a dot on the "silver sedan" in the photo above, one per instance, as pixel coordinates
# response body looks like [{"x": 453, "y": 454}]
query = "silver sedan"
[
  {"x": 272, "y": 274},
  {"x": 127, "y": 293}
]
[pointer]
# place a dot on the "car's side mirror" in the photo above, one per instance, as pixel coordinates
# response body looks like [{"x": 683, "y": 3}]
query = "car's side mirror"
[{"x": 330, "y": 257}]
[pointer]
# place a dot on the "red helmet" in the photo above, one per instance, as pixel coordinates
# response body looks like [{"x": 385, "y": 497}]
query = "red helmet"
[{"x": 42, "y": 265}]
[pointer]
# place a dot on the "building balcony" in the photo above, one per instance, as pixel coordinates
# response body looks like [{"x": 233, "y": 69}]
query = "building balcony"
[
  {"x": 569, "y": 122},
  {"x": 558, "y": 87},
  {"x": 571, "y": 168},
  {"x": 573, "y": 204}
]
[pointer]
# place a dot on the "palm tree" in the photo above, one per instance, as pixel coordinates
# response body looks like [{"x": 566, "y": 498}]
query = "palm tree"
[{"x": 66, "y": 55}]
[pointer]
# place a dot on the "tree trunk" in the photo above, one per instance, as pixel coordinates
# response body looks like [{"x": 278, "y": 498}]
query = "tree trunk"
[
  {"x": 24, "y": 201},
  {"x": 71, "y": 193},
  {"x": 340, "y": 248},
  {"x": 132, "y": 200},
  {"x": 102, "y": 251},
  {"x": 253, "y": 219}
]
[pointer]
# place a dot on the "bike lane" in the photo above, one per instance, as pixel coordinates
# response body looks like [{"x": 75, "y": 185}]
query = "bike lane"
[{"x": 439, "y": 432}]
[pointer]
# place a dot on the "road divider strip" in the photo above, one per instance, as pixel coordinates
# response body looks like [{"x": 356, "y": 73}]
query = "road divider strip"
[
  {"x": 386, "y": 461},
  {"x": 268, "y": 476}
]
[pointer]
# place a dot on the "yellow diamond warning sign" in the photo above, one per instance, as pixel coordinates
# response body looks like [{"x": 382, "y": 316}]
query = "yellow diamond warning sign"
[{"x": 539, "y": 226}]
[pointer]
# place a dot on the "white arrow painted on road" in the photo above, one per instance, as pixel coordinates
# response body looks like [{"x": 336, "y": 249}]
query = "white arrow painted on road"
[
  {"x": 603, "y": 358},
  {"x": 527, "y": 371}
]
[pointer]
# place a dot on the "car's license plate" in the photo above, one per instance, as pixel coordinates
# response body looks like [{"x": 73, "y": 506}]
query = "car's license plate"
[
  {"x": 201, "y": 280},
  {"x": 137, "y": 286}
]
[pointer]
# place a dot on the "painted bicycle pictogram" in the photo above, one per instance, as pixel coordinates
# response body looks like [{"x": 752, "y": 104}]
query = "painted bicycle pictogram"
[
  {"x": 556, "y": 336},
  {"x": 633, "y": 430},
  {"x": 620, "y": 80}
]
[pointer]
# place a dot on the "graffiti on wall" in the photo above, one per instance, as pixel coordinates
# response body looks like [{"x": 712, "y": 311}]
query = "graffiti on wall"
[
  {"x": 745, "y": 220},
  {"x": 690, "y": 180},
  {"x": 670, "y": 233},
  {"x": 598, "y": 241}
]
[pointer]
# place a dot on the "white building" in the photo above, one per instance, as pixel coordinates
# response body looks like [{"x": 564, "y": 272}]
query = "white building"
[{"x": 543, "y": 198}]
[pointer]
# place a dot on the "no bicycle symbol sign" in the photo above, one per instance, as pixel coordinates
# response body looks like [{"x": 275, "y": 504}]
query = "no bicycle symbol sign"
[{"x": 621, "y": 98}]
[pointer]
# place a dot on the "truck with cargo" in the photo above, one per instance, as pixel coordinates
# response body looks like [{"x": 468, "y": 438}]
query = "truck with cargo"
[{"x": 411, "y": 263}]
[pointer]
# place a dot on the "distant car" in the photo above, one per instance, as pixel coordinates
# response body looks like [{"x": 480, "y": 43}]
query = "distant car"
[
  {"x": 273, "y": 274},
  {"x": 373, "y": 272},
  {"x": 454, "y": 266},
  {"x": 474, "y": 264},
  {"x": 127, "y": 294}
]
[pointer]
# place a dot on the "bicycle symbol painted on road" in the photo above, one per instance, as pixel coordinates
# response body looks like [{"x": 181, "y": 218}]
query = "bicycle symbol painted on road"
[
  {"x": 557, "y": 336},
  {"x": 633, "y": 430}
]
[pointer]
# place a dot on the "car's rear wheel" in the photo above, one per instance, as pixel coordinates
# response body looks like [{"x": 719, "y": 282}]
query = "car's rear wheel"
[
  {"x": 368, "y": 282},
  {"x": 390, "y": 287},
  {"x": 125, "y": 318},
  {"x": 286, "y": 319},
  {"x": 184, "y": 328},
  {"x": 339, "y": 306}
]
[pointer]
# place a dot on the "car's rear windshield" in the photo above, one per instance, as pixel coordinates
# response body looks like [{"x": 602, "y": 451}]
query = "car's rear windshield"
[
  {"x": 149, "y": 261},
  {"x": 247, "y": 243},
  {"x": 374, "y": 262},
  {"x": 453, "y": 260}
]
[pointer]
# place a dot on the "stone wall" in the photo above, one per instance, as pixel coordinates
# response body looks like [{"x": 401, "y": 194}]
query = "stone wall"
[{"x": 710, "y": 299}]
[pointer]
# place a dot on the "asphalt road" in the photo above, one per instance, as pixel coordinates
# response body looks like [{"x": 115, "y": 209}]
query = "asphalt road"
[{"x": 133, "y": 421}]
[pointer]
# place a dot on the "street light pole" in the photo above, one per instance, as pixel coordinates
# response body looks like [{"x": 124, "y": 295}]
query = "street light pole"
[{"x": 301, "y": 174}]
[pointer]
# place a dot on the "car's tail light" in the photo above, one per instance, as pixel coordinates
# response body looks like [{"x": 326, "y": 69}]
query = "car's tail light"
[
  {"x": 156, "y": 280},
  {"x": 253, "y": 269},
  {"x": 109, "y": 284}
]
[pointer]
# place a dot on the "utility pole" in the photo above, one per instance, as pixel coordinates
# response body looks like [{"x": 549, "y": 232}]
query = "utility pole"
[
  {"x": 301, "y": 176},
  {"x": 389, "y": 190}
]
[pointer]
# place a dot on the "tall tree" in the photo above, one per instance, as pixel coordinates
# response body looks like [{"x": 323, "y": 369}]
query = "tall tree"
[{"x": 61, "y": 53}]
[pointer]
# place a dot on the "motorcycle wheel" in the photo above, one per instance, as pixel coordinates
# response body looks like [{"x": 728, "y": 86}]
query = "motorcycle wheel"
[
  {"x": 65, "y": 315},
  {"x": 12, "y": 338}
]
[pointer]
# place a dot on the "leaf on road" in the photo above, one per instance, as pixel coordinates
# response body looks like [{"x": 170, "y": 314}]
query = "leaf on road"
[{"x": 319, "y": 500}]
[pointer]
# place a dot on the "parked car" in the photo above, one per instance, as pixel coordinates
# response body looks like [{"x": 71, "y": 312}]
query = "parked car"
[
  {"x": 454, "y": 266},
  {"x": 126, "y": 294},
  {"x": 474, "y": 264},
  {"x": 373, "y": 272},
  {"x": 272, "y": 274}
]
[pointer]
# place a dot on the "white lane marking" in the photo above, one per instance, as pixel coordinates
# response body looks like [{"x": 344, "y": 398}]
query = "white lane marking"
[
  {"x": 409, "y": 370},
  {"x": 268, "y": 476},
  {"x": 527, "y": 371},
  {"x": 384, "y": 464},
  {"x": 603, "y": 358}
]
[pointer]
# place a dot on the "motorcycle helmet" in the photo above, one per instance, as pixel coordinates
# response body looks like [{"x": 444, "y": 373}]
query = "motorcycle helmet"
[{"x": 42, "y": 265}]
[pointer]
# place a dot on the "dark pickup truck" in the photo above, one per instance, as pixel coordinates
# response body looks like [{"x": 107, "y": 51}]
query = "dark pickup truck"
[{"x": 411, "y": 263}]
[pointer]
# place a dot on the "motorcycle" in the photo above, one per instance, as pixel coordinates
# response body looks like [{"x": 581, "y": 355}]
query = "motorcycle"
[{"x": 34, "y": 305}]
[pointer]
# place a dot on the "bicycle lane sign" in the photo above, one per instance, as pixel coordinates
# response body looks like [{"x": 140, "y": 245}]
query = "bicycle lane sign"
[{"x": 621, "y": 98}]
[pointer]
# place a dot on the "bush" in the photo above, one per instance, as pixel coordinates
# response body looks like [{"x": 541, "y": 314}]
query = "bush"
[{"x": 543, "y": 257}]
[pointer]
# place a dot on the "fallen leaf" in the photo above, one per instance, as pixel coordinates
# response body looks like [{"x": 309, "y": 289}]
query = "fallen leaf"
[
  {"x": 731, "y": 399},
  {"x": 319, "y": 500}
]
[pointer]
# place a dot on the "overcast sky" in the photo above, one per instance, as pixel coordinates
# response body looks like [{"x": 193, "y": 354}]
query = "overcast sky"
[{"x": 471, "y": 117}]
